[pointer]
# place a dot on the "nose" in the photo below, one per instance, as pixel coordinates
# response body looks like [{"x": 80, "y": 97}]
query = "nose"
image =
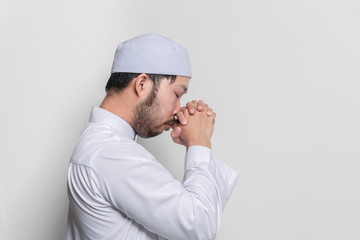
[{"x": 177, "y": 107}]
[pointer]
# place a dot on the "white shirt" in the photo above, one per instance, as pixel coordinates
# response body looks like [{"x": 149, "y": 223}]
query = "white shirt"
[{"x": 117, "y": 189}]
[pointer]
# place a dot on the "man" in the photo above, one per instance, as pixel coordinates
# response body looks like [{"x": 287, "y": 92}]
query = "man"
[{"x": 117, "y": 189}]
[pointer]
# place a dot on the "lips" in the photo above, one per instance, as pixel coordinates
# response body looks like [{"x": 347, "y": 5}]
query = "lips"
[{"x": 171, "y": 122}]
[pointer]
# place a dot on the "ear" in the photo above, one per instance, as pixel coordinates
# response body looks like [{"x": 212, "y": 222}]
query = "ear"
[{"x": 142, "y": 84}]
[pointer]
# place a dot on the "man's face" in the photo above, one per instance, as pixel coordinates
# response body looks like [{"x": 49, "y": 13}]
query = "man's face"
[{"x": 152, "y": 120}]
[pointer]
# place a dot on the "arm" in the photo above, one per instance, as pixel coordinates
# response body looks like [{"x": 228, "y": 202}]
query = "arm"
[
  {"x": 146, "y": 192},
  {"x": 143, "y": 190}
]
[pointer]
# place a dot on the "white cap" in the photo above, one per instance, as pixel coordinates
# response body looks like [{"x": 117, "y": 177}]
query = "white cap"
[{"x": 153, "y": 54}]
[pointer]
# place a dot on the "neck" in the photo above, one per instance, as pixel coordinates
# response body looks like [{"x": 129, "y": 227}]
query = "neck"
[{"x": 120, "y": 104}]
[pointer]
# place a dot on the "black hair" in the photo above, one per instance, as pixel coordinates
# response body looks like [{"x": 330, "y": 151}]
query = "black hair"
[{"x": 120, "y": 80}]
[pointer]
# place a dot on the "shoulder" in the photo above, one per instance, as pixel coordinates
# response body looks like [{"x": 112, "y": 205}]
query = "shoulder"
[{"x": 98, "y": 142}]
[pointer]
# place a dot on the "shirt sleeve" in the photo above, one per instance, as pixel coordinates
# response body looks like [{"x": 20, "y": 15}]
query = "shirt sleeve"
[
  {"x": 203, "y": 159},
  {"x": 142, "y": 189}
]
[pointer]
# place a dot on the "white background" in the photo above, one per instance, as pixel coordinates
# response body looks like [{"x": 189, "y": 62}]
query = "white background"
[{"x": 282, "y": 76}]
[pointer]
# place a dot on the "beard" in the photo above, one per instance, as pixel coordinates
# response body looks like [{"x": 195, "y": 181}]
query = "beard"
[{"x": 147, "y": 117}]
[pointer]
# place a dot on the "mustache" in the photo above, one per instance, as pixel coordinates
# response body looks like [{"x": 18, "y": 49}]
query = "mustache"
[{"x": 173, "y": 121}]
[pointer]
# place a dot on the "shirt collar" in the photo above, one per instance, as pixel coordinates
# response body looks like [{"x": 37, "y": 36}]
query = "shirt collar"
[{"x": 100, "y": 115}]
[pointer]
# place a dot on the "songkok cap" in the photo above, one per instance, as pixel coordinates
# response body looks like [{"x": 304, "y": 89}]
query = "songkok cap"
[{"x": 153, "y": 54}]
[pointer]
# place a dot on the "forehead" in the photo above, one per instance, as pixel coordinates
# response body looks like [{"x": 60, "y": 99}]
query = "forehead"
[
  {"x": 180, "y": 85},
  {"x": 181, "y": 82}
]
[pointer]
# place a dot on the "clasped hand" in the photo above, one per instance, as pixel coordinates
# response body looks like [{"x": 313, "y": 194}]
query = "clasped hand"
[{"x": 195, "y": 125}]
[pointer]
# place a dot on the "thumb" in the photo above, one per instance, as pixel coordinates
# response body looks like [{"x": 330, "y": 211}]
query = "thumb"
[{"x": 176, "y": 132}]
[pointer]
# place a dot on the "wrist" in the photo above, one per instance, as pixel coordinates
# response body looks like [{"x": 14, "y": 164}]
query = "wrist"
[{"x": 206, "y": 144}]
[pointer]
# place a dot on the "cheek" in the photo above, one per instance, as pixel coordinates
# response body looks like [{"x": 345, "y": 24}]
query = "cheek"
[
  {"x": 168, "y": 104},
  {"x": 167, "y": 110},
  {"x": 172, "y": 101},
  {"x": 170, "y": 108},
  {"x": 175, "y": 103}
]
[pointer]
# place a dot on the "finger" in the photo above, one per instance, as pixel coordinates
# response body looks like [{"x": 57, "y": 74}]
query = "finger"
[
  {"x": 181, "y": 117},
  {"x": 200, "y": 105},
  {"x": 213, "y": 115},
  {"x": 195, "y": 102},
  {"x": 205, "y": 107},
  {"x": 191, "y": 107},
  {"x": 209, "y": 112},
  {"x": 177, "y": 140},
  {"x": 186, "y": 113},
  {"x": 175, "y": 133}
]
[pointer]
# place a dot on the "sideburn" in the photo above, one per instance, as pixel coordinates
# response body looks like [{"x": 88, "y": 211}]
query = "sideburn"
[
  {"x": 150, "y": 99},
  {"x": 143, "y": 113}
]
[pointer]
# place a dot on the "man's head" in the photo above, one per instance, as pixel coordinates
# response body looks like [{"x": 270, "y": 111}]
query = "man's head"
[
  {"x": 150, "y": 73},
  {"x": 155, "y": 112}
]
